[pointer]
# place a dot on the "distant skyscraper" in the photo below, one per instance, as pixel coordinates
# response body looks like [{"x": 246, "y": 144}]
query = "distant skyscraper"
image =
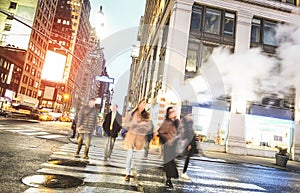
[{"x": 70, "y": 38}]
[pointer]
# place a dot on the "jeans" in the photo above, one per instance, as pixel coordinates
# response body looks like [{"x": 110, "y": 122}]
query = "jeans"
[
  {"x": 109, "y": 145},
  {"x": 129, "y": 161},
  {"x": 88, "y": 137},
  {"x": 138, "y": 162}
]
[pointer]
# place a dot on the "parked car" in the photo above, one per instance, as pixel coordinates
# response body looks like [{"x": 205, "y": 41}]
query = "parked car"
[
  {"x": 41, "y": 115},
  {"x": 65, "y": 118}
]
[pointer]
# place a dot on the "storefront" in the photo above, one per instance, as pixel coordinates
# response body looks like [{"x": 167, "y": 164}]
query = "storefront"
[{"x": 269, "y": 127}]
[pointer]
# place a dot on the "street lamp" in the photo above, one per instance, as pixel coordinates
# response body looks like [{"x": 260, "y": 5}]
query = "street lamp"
[
  {"x": 99, "y": 22},
  {"x": 66, "y": 101},
  {"x": 111, "y": 95}
]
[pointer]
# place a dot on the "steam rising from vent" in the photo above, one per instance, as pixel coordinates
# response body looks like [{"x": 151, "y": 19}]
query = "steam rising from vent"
[{"x": 247, "y": 74}]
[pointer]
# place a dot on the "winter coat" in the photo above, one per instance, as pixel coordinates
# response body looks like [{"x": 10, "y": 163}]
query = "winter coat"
[
  {"x": 117, "y": 125},
  {"x": 168, "y": 132},
  {"x": 87, "y": 120},
  {"x": 136, "y": 132}
]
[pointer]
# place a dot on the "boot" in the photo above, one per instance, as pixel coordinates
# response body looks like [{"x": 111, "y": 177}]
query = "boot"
[
  {"x": 169, "y": 183},
  {"x": 86, "y": 152}
]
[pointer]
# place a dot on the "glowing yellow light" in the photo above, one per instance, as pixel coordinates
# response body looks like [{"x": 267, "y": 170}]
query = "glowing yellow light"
[
  {"x": 54, "y": 67},
  {"x": 66, "y": 96}
]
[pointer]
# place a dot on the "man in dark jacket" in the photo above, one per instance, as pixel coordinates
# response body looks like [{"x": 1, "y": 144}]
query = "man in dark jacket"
[{"x": 112, "y": 125}]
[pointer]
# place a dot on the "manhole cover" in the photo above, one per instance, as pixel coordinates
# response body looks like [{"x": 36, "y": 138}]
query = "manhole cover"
[
  {"x": 52, "y": 181},
  {"x": 66, "y": 162}
]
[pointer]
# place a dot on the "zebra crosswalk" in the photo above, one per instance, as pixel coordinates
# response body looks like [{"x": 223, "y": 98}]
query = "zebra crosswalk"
[
  {"x": 29, "y": 130},
  {"x": 108, "y": 176},
  {"x": 98, "y": 175}
]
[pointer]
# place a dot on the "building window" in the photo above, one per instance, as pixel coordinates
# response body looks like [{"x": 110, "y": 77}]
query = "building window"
[
  {"x": 197, "y": 55},
  {"x": 212, "y": 21},
  {"x": 25, "y": 79},
  {"x": 34, "y": 94},
  {"x": 33, "y": 71},
  {"x": 7, "y": 27},
  {"x": 23, "y": 90},
  {"x": 36, "y": 84},
  {"x": 196, "y": 19},
  {"x": 269, "y": 33},
  {"x": 263, "y": 34},
  {"x": 27, "y": 68},
  {"x": 28, "y": 93},
  {"x": 30, "y": 83},
  {"x": 255, "y": 30},
  {"x": 213, "y": 24},
  {"x": 229, "y": 24},
  {"x": 192, "y": 57},
  {"x": 5, "y": 64},
  {"x": 13, "y": 5}
]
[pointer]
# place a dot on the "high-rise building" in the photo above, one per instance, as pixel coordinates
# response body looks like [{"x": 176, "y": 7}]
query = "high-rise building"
[
  {"x": 91, "y": 67},
  {"x": 23, "y": 19},
  {"x": 69, "y": 40},
  {"x": 185, "y": 47}
]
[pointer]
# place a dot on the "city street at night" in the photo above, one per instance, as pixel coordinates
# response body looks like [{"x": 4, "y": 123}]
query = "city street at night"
[
  {"x": 150, "y": 96},
  {"x": 25, "y": 153}
]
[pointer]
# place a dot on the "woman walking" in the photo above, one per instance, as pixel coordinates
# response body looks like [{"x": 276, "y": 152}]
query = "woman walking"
[
  {"x": 168, "y": 132},
  {"x": 138, "y": 124}
]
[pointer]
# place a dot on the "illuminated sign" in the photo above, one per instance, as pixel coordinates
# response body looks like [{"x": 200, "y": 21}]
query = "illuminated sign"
[{"x": 54, "y": 67}]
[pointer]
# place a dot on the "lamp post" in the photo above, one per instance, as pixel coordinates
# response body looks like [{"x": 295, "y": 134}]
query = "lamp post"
[
  {"x": 111, "y": 95},
  {"x": 99, "y": 22}
]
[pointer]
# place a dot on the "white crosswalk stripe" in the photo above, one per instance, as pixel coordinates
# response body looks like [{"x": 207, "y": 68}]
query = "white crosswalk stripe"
[{"x": 32, "y": 131}]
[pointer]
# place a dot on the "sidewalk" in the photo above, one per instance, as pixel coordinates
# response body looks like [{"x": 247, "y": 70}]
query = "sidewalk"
[{"x": 251, "y": 161}]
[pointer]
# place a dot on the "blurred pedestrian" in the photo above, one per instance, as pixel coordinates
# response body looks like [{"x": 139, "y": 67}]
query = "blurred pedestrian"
[
  {"x": 112, "y": 125},
  {"x": 86, "y": 123},
  {"x": 168, "y": 133},
  {"x": 138, "y": 124},
  {"x": 73, "y": 127},
  {"x": 189, "y": 138},
  {"x": 149, "y": 137}
]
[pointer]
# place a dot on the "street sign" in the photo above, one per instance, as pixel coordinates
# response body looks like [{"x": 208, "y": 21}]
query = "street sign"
[{"x": 105, "y": 79}]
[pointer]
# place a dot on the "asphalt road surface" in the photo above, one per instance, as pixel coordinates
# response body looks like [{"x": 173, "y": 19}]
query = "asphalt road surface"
[{"x": 42, "y": 149}]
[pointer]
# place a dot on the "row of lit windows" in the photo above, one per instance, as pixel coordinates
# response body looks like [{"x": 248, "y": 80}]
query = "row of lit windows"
[
  {"x": 3, "y": 77},
  {"x": 4, "y": 64},
  {"x": 73, "y": 9},
  {"x": 221, "y": 23},
  {"x": 36, "y": 50},
  {"x": 28, "y": 92},
  {"x": 64, "y": 22},
  {"x": 30, "y": 81},
  {"x": 73, "y": 3}
]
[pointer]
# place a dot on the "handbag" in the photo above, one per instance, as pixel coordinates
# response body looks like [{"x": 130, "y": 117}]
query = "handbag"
[{"x": 123, "y": 132}]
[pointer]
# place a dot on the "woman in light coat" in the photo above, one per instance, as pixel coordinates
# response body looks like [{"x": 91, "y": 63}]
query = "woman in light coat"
[{"x": 138, "y": 124}]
